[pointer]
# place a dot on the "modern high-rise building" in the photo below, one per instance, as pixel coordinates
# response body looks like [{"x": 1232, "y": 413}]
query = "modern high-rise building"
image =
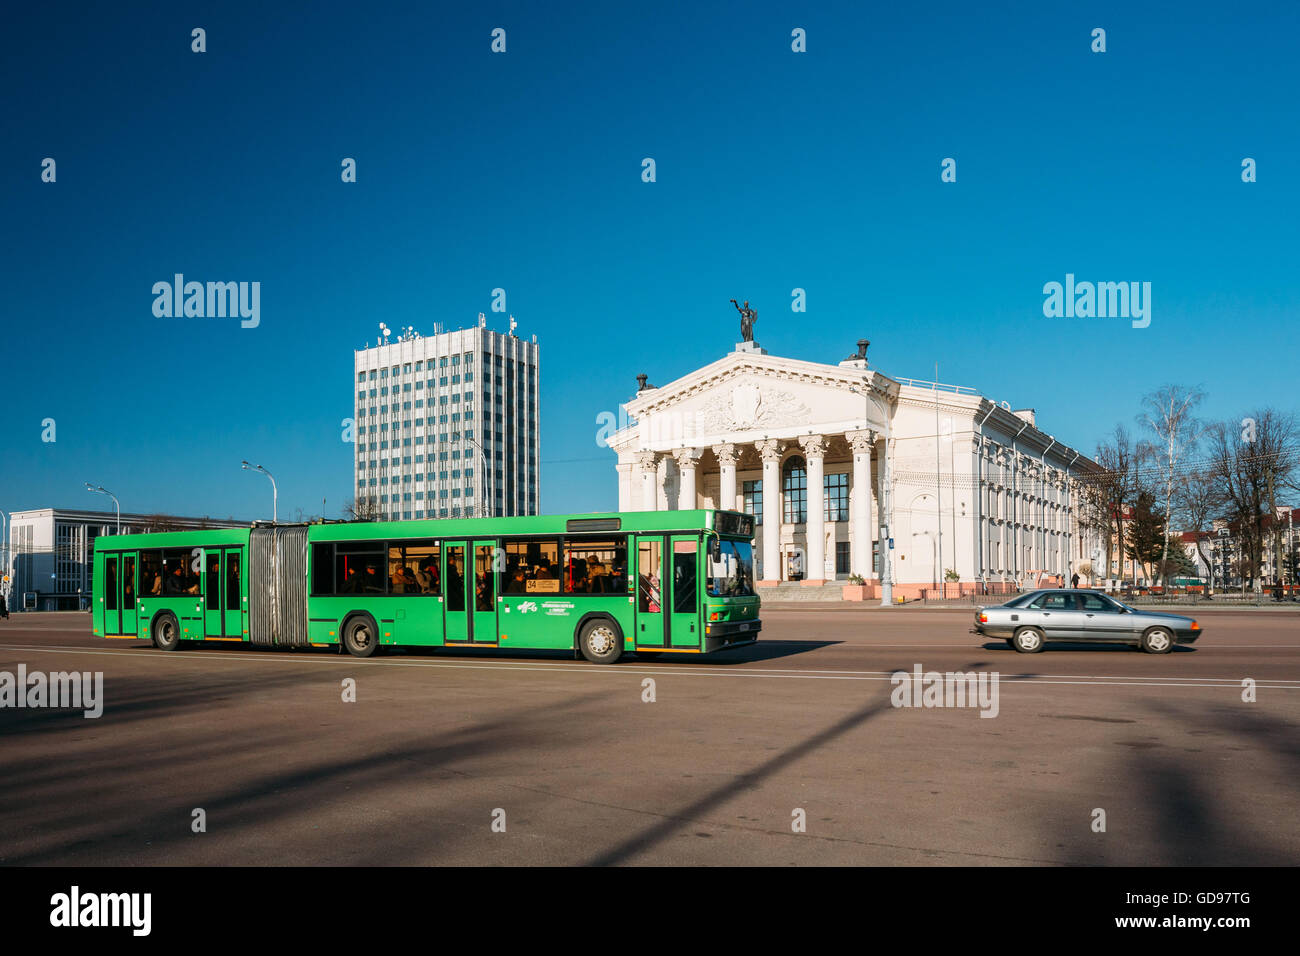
[{"x": 447, "y": 425}]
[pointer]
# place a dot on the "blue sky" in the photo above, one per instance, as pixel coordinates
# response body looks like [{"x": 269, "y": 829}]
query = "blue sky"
[{"x": 522, "y": 170}]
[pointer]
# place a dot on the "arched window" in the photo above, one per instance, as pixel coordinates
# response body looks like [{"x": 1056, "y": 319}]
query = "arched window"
[{"x": 794, "y": 488}]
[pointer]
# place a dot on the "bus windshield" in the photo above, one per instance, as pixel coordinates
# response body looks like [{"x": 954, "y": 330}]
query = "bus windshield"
[{"x": 731, "y": 574}]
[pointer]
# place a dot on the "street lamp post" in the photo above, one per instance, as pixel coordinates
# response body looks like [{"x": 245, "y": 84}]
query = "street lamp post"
[
  {"x": 6, "y": 563},
  {"x": 275, "y": 493},
  {"x": 102, "y": 491}
]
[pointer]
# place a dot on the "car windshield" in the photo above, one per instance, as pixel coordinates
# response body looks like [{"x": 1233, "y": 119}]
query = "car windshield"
[{"x": 1022, "y": 600}]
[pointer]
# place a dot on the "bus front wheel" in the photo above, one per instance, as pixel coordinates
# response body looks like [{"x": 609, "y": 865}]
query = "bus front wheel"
[
  {"x": 166, "y": 632},
  {"x": 600, "y": 642},
  {"x": 360, "y": 637}
]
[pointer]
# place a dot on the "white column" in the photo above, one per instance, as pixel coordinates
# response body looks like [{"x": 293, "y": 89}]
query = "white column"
[
  {"x": 648, "y": 463},
  {"x": 885, "y": 520},
  {"x": 727, "y": 460},
  {"x": 625, "y": 477},
  {"x": 687, "y": 460},
  {"x": 814, "y": 447},
  {"x": 770, "y": 449},
  {"x": 862, "y": 442},
  {"x": 664, "y": 477}
]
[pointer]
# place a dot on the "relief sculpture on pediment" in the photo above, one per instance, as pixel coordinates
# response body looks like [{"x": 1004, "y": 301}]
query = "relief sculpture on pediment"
[{"x": 747, "y": 406}]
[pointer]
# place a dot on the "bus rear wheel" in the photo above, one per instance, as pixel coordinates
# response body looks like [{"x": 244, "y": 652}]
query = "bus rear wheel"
[
  {"x": 360, "y": 637},
  {"x": 166, "y": 632},
  {"x": 600, "y": 642}
]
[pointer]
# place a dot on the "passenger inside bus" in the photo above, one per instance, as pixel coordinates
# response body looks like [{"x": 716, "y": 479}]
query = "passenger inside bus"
[
  {"x": 455, "y": 580},
  {"x": 176, "y": 581},
  {"x": 350, "y": 585},
  {"x": 427, "y": 576}
]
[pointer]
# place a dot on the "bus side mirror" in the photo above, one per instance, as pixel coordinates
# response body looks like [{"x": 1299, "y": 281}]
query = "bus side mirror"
[{"x": 715, "y": 549}]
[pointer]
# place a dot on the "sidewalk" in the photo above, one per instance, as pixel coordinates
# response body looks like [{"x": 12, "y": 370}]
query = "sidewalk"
[{"x": 1200, "y": 608}]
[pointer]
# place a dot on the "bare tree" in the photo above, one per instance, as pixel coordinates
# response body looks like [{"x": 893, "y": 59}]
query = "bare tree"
[
  {"x": 365, "y": 508},
  {"x": 1168, "y": 414},
  {"x": 1255, "y": 461},
  {"x": 1198, "y": 499},
  {"x": 162, "y": 522},
  {"x": 1113, "y": 488}
]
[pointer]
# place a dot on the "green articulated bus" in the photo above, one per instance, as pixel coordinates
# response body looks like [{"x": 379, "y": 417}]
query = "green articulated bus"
[{"x": 603, "y": 585}]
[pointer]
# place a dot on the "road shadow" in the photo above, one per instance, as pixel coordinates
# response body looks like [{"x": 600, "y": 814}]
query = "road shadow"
[
  {"x": 1189, "y": 796},
  {"x": 660, "y": 831},
  {"x": 114, "y": 795},
  {"x": 763, "y": 651},
  {"x": 1089, "y": 646}
]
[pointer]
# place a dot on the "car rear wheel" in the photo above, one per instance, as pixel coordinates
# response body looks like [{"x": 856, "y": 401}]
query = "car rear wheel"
[
  {"x": 1157, "y": 641},
  {"x": 1028, "y": 640}
]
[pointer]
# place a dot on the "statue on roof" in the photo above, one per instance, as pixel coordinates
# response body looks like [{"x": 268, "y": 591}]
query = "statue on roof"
[{"x": 748, "y": 317}]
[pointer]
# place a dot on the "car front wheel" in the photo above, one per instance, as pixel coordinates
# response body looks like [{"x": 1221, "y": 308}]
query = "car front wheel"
[
  {"x": 1157, "y": 641},
  {"x": 1028, "y": 640}
]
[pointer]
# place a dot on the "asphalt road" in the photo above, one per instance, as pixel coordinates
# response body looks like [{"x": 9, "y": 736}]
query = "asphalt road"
[{"x": 582, "y": 770}]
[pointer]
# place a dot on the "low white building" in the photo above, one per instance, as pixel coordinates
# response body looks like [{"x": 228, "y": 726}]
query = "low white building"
[
  {"x": 836, "y": 460},
  {"x": 50, "y": 552}
]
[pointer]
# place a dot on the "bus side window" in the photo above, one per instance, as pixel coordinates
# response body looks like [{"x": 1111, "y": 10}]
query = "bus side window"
[
  {"x": 151, "y": 573},
  {"x": 322, "y": 568}
]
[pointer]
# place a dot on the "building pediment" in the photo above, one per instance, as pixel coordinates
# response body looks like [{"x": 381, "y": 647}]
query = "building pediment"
[{"x": 749, "y": 397}]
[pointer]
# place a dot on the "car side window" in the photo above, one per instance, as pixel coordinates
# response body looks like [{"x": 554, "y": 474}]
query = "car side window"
[
  {"x": 1057, "y": 602},
  {"x": 1094, "y": 602}
]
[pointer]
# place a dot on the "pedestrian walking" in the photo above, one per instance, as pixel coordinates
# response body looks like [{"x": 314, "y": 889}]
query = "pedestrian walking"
[
  {"x": 1074, "y": 580},
  {"x": 4, "y": 608}
]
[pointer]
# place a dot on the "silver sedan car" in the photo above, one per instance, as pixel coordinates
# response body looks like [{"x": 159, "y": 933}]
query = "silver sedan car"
[{"x": 1029, "y": 621}]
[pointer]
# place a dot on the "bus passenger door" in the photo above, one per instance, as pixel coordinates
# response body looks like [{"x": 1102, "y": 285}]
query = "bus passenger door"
[
  {"x": 233, "y": 608},
  {"x": 649, "y": 592},
  {"x": 129, "y": 621},
  {"x": 99, "y": 616},
  {"x": 483, "y": 592},
  {"x": 111, "y": 599},
  {"x": 455, "y": 623},
  {"x": 213, "y": 587},
  {"x": 684, "y": 593}
]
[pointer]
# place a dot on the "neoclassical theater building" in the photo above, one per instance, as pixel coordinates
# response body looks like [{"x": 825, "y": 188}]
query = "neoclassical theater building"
[{"x": 905, "y": 484}]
